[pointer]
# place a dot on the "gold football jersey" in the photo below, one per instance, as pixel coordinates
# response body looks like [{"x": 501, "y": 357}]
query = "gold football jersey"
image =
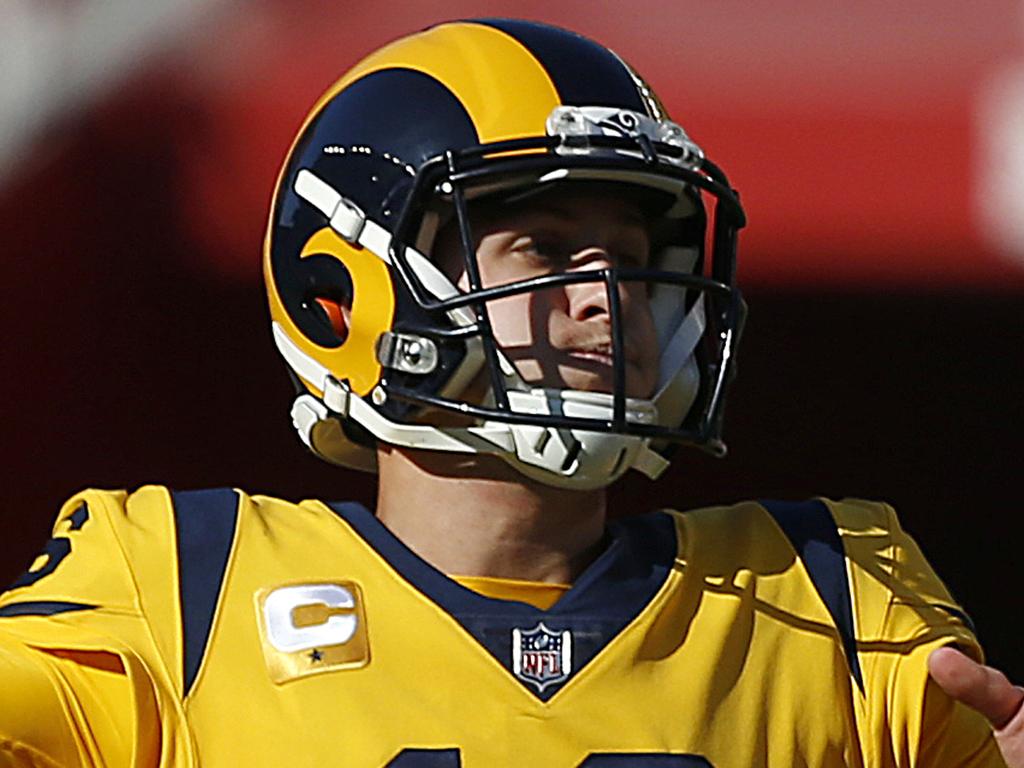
[{"x": 217, "y": 629}]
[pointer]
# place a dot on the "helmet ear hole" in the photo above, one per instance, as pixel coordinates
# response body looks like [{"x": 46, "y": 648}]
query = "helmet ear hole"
[
  {"x": 324, "y": 298},
  {"x": 338, "y": 315}
]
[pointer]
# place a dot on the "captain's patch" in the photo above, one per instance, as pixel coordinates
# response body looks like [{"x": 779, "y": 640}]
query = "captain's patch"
[{"x": 312, "y": 628}]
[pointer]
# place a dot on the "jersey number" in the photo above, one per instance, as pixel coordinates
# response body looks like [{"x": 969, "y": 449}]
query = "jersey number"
[
  {"x": 450, "y": 758},
  {"x": 56, "y": 549}
]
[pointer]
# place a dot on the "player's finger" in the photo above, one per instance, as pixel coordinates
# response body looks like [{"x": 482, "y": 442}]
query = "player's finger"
[{"x": 982, "y": 688}]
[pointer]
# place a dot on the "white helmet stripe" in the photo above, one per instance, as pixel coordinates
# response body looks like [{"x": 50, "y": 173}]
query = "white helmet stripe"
[{"x": 346, "y": 218}]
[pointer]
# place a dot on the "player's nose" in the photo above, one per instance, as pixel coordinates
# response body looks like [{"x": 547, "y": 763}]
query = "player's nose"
[{"x": 590, "y": 299}]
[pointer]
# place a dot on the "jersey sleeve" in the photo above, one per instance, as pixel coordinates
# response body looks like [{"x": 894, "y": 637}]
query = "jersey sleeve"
[
  {"x": 903, "y": 612},
  {"x": 86, "y": 636},
  {"x": 82, "y": 566},
  {"x": 63, "y": 708},
  {"x": 110, "y": 569}
]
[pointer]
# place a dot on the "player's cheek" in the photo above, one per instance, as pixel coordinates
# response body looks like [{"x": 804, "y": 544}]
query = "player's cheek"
[{"x": 511, "y": 321}]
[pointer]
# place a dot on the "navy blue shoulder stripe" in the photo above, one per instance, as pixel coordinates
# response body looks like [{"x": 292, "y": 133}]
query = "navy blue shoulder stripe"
[
  {"x": 205, "y": 523},
  {"x": 583, "y": 72},
  {"x": 813, "y": 533},
  {"x": 42, "y": 608}
]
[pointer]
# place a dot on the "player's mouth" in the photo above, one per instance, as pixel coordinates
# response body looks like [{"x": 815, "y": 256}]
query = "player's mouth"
[
  {"x": 596, "y": 356},
  {"x": 603, "y": 353}
]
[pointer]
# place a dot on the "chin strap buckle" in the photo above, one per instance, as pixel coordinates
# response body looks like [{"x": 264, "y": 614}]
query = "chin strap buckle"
[
  {"x": 345, "y": 217},
  {"x": 308, "y": 411},
  {"x": 650, "y": 463},
  {"x": 337, "y": 395}
]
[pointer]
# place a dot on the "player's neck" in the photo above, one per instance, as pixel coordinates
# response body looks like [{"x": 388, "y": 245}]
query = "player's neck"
[{"x": 472, "y": 517}]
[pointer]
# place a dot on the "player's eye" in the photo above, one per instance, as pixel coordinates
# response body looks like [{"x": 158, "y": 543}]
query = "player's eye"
[
  {"x": 634, "y": 258},
  {"x": 633, "y": 250},
  {"x": 542, "y": 250}
]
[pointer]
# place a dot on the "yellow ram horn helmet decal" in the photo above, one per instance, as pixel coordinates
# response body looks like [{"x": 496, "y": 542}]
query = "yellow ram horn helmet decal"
[{"x": 371, "y": 313}]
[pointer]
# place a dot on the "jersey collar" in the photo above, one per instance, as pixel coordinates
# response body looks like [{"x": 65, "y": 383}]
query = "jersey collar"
[{"x": 608, "y": 595}]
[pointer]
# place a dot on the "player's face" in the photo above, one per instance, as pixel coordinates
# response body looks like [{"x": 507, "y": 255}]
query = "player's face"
[{"x": 562, "y": 337}]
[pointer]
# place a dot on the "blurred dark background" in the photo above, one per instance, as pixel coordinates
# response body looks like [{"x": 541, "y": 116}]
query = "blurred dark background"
[{"x": 879, "y": 150}]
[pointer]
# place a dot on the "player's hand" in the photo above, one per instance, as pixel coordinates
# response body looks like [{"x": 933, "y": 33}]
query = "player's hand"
[{"x": 989, "y": 692}]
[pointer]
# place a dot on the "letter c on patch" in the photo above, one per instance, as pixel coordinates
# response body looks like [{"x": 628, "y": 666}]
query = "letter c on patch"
[{"x": 285, "y": 636}]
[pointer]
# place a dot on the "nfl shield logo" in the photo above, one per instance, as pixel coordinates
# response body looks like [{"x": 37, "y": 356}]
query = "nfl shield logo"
[{"x": 541, "y": 657}]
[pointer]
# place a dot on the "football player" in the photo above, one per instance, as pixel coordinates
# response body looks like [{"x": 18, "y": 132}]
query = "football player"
[{"x": 500, "y": 277}]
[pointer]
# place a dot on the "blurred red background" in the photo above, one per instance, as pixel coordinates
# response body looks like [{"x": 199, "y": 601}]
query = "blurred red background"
[{"x": 879, "y": 149}]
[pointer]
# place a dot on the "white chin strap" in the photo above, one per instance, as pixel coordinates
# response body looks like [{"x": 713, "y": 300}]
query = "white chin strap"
[
  {"x": 576, "y": 458},
  {"x": 568, "y": 458}
]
